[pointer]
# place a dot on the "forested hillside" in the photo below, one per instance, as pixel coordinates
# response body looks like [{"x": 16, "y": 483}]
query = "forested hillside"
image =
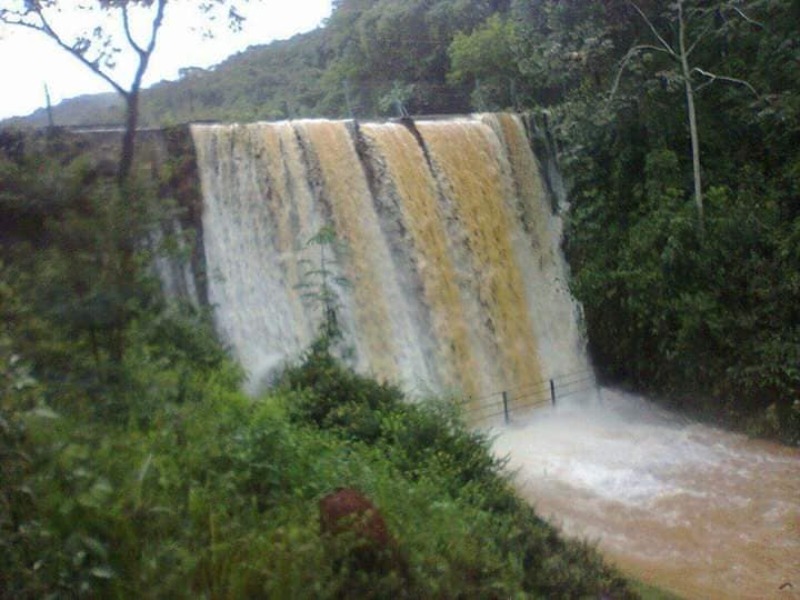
[{"x": 675, "y": 125}]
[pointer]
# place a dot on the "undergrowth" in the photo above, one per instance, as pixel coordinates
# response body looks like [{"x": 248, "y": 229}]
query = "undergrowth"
[{"x": 197, "y": 491}]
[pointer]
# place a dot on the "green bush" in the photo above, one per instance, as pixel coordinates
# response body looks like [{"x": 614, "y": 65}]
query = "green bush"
[
  {"x": 494, "y": 544},
  {"x": 218, "y": 497}
]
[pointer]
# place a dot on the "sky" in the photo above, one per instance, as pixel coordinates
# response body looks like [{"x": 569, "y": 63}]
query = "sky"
[{"x": 28, "y": 60}]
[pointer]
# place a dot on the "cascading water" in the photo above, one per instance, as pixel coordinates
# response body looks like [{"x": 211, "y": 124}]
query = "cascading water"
[{"x": 451, "y": 249}]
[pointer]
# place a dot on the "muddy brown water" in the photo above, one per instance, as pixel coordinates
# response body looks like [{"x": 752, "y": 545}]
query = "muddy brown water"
[{"x": 698, "y": 511}]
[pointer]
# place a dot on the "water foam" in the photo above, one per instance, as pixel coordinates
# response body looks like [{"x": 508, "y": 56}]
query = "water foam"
[{"x": 708, "y": 513}]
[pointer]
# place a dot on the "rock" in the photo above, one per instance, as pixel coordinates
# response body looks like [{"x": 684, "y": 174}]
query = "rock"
[
  {"x": 347, "y": 515},
  {"x": 346, "y": 510}
]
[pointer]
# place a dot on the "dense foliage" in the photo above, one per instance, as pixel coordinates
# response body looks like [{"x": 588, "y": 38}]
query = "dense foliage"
[
  {"x": 218, "y": 497},
  {"x": 132, "y": 464},
  {"x": 705, "y": 316}
]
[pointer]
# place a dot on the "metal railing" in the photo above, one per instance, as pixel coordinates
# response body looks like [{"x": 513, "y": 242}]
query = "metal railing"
[{"x": 533, "y": 395}]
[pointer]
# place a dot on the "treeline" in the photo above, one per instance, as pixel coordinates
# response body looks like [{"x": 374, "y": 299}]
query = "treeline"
[
  {"x": 367, "y": 57},
  {"x": 675, "y": 125}
]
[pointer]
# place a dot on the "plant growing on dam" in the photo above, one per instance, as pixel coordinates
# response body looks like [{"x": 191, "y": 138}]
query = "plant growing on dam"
[{"x": 320, "y": 285}]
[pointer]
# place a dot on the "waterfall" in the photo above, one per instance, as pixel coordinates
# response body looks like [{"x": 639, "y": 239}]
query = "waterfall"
[{"x": 445, "y": 234}]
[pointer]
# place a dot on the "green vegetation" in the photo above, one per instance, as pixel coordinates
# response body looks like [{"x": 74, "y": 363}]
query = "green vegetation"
[
  {"x": 217, "y": 496},
  {"x": 133, "y": 464},
  {"x": 319, "y": 285},
  {"x": 706, "y": 317}
]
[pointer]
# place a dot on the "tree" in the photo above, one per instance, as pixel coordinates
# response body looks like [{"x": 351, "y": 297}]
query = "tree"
[
  {"x": 319, "y": 283},
  {"x": 487, "y": 56},
  {"x": 99, "y": 47},
  {"x": 564, "y": 48},
  {"x": 690, "y": 24},
  {"x": 378, "y": 46},
  {"x": 109, "y": 299}
]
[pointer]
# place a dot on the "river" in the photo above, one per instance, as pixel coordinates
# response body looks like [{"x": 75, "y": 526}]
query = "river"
[{"x": 698, "y": 511}]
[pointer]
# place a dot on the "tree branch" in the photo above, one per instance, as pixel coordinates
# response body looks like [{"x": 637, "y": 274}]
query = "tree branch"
[
  {"x": 699, "y": 39},
  {"x": 157, "y": 20},
  {"x": 744, "y": 16},
  {"x": 712, "y": 77},
  {"x": 154, "y": 28},
  {"x": 45, "y": 28},
  {"x": 662, "y": 41},
  {"x": 624, "y": 63},
  {"x": 18, "y": 22},
  {"x": 128, "y": 34}
]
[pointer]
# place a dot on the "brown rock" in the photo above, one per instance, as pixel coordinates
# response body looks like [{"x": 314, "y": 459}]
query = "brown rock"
[{"x": 346, "y": 510}]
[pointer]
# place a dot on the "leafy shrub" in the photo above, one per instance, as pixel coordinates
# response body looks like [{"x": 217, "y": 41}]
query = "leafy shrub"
[
  {"x": 332, "y": 397},
  {"x": 467, "y": 496}
]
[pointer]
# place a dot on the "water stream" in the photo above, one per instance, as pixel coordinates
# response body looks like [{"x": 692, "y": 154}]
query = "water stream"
[{"x": 705, "y": 513}]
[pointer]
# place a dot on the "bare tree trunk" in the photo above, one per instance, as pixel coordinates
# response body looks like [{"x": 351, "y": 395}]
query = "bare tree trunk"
[
  {"x": 681, "y": 56},
  {"x": 687, "y": 82},
  {"x": 129, "y": 137},
  {"x": 698, "y": 184},
  {"x": 132, "y": 96}
]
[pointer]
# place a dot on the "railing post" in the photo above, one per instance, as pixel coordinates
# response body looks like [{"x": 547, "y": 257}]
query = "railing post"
[
  {"x": 505, "y": 406},
  {"x": 553, "y": 392}
]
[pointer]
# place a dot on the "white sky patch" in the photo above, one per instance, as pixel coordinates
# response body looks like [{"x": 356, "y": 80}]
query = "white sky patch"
[{"x": 28, "y": 60}]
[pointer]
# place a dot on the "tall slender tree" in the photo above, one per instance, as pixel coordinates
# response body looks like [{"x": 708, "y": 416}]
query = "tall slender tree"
[
  {"x": 688, "y": 23},
  {"x": 112, "y": 35},
  {"x": 109, "y": 34}
]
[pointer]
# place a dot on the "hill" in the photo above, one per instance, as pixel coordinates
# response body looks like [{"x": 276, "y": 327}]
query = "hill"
[
  {"x": 363, "y": 62},
  {"x": 274, "y": 81},
  {"x": 89, "y": 109}
]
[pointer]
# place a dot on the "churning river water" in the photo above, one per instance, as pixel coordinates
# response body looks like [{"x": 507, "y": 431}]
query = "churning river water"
[{"x": 701, "y": 512}]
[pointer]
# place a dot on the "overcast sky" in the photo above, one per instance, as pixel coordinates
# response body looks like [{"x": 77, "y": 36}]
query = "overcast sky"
[{"x": 28, "y": 59}]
